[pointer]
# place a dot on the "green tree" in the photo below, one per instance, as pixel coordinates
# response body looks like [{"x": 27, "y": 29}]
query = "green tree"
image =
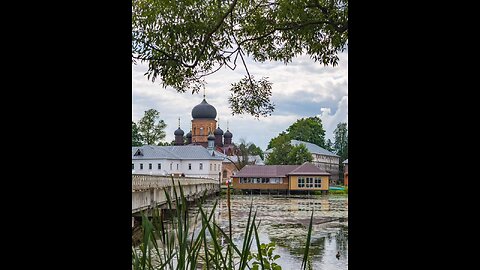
[
  {"x": 243, "y": 150},
  {"x": 151, "y": 130},
  {"x": 166, "y": 143},
  {"x": 299, "y": 155},
  {"x": 136, "y": 138},
  {"x": 281, "y": 148},
  {"x": 308, "y": 130},
  {"x": 341, "y": 141},
  {"x": 242, "y": 154},
  {"x": 341, "y": 145},
  {"x": 255, "y": 150},
  {"x": 185, "y": 41},
  {"x": 284, "y": 153},
  {"x": 278, "y": 140},
  {"x": 329, "y": 145}
]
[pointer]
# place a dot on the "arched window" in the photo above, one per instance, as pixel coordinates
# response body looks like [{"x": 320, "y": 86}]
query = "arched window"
[{"x": 201, "y": 131}]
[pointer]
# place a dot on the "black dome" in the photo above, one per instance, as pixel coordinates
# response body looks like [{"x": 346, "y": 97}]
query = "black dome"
[
  {"x": 189, "y": 134},
  {"x": 204, "y": 110},
  {"x": 211, "y": 137},
  {"x": 218, "y": 131},
  {"x": 179, "y": 132},
  {"x": 228, "y": 134}
]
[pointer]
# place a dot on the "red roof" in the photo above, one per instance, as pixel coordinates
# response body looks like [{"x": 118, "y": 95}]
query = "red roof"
[{"x": 279, "y": 170}]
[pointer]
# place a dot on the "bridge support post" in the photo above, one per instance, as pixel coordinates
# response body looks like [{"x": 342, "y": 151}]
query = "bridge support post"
[{"x": 137, "y": 221}]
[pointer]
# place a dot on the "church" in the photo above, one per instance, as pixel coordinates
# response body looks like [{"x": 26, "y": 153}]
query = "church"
[{"x": 206, "y": 131}]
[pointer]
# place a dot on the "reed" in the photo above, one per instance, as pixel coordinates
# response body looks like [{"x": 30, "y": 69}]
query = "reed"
[{"x": 172, "y": 245}]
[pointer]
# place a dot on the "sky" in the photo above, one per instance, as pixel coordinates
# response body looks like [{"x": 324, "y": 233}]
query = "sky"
[{"x": 301, "y": 89}]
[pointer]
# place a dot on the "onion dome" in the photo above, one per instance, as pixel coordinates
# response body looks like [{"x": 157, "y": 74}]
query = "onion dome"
[
  {"x": 218, "y": 131},
  {"x": 211, "y": 137},
  {"x": 189, "y": 134},
  {"x": 179, "y": 132},
  {"x": 204, "y": 110},
  {"x": 227, "y": 134}
]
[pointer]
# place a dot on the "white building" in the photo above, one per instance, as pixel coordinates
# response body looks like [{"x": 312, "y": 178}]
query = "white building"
[{"x": 191, "y": 160}]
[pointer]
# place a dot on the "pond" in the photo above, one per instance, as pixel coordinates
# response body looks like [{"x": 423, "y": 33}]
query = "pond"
[{"x": 285, "y": 221}]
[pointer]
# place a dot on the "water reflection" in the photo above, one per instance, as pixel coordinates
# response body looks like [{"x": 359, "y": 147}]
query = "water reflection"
[{"x": 285, "y": 221}]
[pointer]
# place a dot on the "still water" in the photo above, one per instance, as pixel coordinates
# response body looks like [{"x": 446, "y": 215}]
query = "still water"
[{"x": 285, "y": 221}]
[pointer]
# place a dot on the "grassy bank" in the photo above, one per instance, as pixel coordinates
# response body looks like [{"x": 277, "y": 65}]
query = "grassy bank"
[{"x": 334, "y": 192}]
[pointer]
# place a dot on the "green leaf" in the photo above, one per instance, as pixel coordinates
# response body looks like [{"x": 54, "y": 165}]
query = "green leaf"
[{"x": 277, "y": 267}]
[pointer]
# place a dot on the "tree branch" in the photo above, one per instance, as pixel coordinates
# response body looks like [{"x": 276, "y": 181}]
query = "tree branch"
[
  {"x": 209, "y": 35},
  {"x": 292, "y": 26}
]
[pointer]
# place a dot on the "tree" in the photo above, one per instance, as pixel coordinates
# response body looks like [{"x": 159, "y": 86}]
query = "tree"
[
  {"x": 286, "y": 154},
  {"x": 299, "y": 155},
  {"x": 151, "y": 133},
  {"x": 278, "y": 140},
  {"x": 185, "y": 41},
  {"x": 255, "y": 150},
  {"x": 166, "y": 143},
  {"x": 308, "y": 130},
  {"x": 329, "y": 145},
  {"x": 136, "y": 138},
  {"x": 243, "y": 150},
  {"x": 341, "y": 141},
  {"x": 281, "y": 147},
  {"x": 242, "y": 154}
]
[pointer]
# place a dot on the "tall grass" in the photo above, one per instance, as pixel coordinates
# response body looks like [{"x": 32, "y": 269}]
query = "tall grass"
[{"x": 167, "y": 245}]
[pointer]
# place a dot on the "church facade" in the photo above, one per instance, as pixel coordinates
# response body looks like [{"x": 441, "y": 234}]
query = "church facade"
[{"x": 204, "y": 129}]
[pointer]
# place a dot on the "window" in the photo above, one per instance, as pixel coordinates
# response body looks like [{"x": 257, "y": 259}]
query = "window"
[
  {"x": 309, "y": 182},
  {"x": 150, "y": 166},
  {"x": 171, "y": 166},
  {"x": 141, "y": 166},
  {"x": 159, "y": 166},
  {"x": 189, "y": 166},
  {"x": 215, "y": 167},
  {"x": 201, "y": 131},
  {"x": 318, "y": 182},
  {"x": 177, "y": 166},
  {"x": 133, "y": 166},
  {"x": 201, "y": 166},
  {"x": 224, "y": 173},
  {"x": 210, "y": 166},
  {"x": 301, "y": 182}
]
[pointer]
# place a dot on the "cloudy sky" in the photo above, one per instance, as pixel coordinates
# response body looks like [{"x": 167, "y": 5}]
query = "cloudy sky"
[{"x": 300, "y": 89}]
